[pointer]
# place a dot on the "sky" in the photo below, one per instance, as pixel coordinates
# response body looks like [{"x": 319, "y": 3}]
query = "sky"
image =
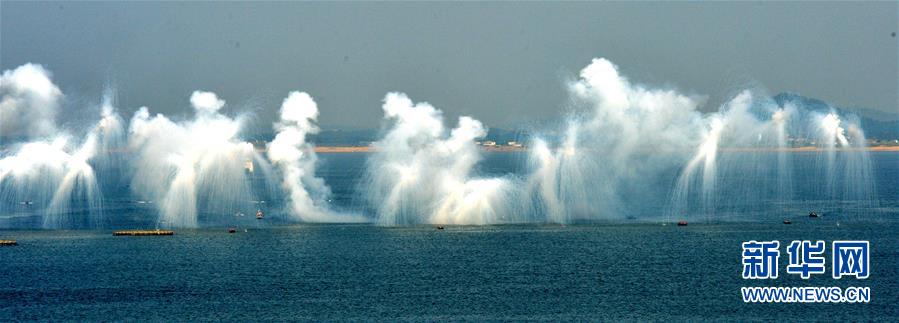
[{"x": 502, "y": 63}]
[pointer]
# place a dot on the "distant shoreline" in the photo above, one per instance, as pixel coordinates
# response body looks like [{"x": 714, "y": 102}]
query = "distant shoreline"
[
  {"x": 369, "y": 149},
  {"x": 801, "y": 149}
]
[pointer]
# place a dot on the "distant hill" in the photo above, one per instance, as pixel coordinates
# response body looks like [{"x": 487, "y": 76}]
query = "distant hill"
[
  {"x": 364, "y": 137},
  {"x": 876, "y": 124}
]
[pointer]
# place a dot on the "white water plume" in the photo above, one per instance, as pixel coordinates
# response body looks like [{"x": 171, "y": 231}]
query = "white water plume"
[
  {"x": 422, "y": 173},
  {"x": 30, "y": 102},
  {"x": 847, "y": 167},
  {"x": 612, "y": 161},
  {"x": 47, "y": 171},
  {"x": 632, "y": 151},
  {"x": 615, "y": 154},
  {"x": 296, "y": 159},
  {"x": 628, "y": 151},
  {"x": 198, "y": 163}
]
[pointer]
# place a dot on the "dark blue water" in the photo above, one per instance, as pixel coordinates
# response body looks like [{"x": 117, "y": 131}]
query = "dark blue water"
[
  {"x": 362, "y": 272},
  {"x": 627, "y": 269}
]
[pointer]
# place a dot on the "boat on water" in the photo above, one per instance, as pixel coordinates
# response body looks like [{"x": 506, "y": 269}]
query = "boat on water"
[
  {"x": 259, "y": 215},
  {"x": 788, "y": 222},
  {"x": 682, "y": 223},
  {"x": 155, "y": 232},
  {"x": 813, "y": 215},
  {"x": 232, "y": 230}
]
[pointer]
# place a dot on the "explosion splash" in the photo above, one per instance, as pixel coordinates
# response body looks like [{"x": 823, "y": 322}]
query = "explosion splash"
[
  {"x": 295, "y": 158},
  {"x": 46, "y": 171},
  {"x": 198, "y": 163},
  {"x": 420, "y": 173},
  {"x": 629, "y": 151}
]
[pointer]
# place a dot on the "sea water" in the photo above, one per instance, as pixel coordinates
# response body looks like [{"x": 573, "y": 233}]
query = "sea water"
[
  {"x": 625, "y": 269},
  {"x": 359, "y": 272}
]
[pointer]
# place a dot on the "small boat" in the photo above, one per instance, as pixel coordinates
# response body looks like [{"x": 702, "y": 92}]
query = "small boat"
[
  {"x": 232, "y": 230},
  {"x": 259, "y": 214},
  {"x": 813, "y": 215},
  {"x": 788, "y": 222},
  {"x": 682, "y": 223},
  {"x": 440, "y": 227},
  {"x": 155, "y": 232}
]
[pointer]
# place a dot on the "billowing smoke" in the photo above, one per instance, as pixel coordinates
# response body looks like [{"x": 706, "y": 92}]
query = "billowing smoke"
[
  {"x": 48, "y": 170},
  {"x": 29, "y": 103},
  {"x": 295, "y": 158},
  {"x": 628, "y": 151},
  {"x": 617, "y": 160},
  {"x": 96, "y": 153},
  {"x": 195, "y": 164},
  {"x": 629, "y": 136},
  {"x": 422, "y": 173},
  {"x": 847, "y": 166}
]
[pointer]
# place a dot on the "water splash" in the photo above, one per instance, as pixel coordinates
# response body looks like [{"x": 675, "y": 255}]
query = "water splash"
[
  {"x": 847, "y": 170},
  {"x": 47, "y": 172},
  {"x": 419, "y": 173},
  {"x": 625, "y": 147},
  {"x": 616, "y": 153},
  {"x": 295, "y": 158},
  {"x": 615, "y": 158},
  {"x": 195, "y": 164}
]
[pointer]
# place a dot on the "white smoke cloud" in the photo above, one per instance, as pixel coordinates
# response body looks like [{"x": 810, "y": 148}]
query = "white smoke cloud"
[
  {"x": 421, "y": 174},
  {"x": 630, "y": 135},
  {"x": 296, "y": 159},
  {"x": 612, "y": 162},
  {"x": 195, "y": 164},
  {"x": 29, "y": 103},
  {"x": 49, "y": 170},
  {"x": 206, "y": 102}
]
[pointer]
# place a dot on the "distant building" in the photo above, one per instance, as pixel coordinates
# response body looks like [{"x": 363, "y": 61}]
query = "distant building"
[
  {"x": 514, "y": 144},
  {"x": 489, "y": 143}
]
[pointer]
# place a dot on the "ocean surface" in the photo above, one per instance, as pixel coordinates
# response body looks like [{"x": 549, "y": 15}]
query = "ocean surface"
[
  {"x": 640, "y": 268},
  {"x": 362, "y": 272}
]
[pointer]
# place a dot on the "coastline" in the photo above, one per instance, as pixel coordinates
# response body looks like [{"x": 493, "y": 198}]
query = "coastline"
[{"x": 369, "y": 149}]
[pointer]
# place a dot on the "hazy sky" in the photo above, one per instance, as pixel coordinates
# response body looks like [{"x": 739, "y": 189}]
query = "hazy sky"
[{"x": 502, "y": 63}]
